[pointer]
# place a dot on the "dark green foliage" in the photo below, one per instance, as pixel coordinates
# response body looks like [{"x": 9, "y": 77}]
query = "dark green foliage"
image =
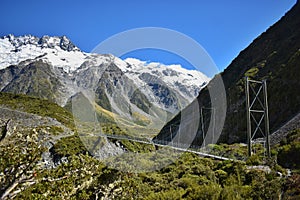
[
  {"x": 289, "y": 153},
  {"x": 37, "y": 106},
  {"x": 68, "y": 181},
  {"x": 235, "y": 151},
  {"x": 112, "y": 129},
  {"x": 292, "y": 187},
  {"x": 189, "y": 177},
  {"x": 137, "y": 147},
  {"x": 68, "y": 146},
  {"x": 19, "y": 157}
]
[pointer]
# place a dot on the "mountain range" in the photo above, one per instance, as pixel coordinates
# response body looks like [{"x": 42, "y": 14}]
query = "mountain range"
[
  {"x": 130, "y": 90},
  {"x": 140, "y": 94},
  {"x": 44, "y": 156}
]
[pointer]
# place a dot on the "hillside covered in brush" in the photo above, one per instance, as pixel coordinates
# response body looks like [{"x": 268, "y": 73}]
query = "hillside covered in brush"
[{"x": 274, "y": 56}]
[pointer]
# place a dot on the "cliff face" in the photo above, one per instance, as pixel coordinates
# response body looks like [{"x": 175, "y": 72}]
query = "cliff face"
[{"x": 274, "y": 56}]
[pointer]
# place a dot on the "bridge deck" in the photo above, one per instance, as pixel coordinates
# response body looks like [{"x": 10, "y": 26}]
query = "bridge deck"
[{"x": 149, "y": 141}]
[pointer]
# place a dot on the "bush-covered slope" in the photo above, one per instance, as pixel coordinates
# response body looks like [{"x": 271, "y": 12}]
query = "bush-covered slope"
[
  {"x": 274, "y": 56},
  {"x": 24, "y": 176},
  {"x": 36, "y": 106}
]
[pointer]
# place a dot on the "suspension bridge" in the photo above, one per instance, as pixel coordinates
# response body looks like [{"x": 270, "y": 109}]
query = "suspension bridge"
[
  {"x": 252, "y": 122},
  {"x": 160, "y": 143}
]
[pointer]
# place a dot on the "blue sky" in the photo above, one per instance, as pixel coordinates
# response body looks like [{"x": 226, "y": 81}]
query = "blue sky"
[{"x": 223, "y": 28}]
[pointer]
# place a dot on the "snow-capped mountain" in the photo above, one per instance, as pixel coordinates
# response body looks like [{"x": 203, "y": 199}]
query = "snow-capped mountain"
[
  {"x": 54, "y": 68},
  {"x": 186, "y": 82},
  {"x": 59, "y": 51}
]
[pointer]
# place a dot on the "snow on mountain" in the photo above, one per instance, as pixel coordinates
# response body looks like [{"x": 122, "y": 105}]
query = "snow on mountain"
[
  {"x": 175, "y": 76},
  {"x": 156, "y": 80},
  {"x": 58, "y": 51}
]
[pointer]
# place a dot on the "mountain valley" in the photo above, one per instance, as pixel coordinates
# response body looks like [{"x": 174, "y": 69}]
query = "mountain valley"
[{"x": 77, "y": 125}]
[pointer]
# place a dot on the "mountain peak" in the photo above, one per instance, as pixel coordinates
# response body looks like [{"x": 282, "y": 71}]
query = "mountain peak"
[
  {"x": 18, "y": 41},
  {"x": 46, "y": 41}
]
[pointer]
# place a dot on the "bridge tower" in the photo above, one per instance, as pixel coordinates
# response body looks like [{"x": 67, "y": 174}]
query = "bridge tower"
[
  {"x": 205, "y": 121},
  {"x": 257, "y": 113}
]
